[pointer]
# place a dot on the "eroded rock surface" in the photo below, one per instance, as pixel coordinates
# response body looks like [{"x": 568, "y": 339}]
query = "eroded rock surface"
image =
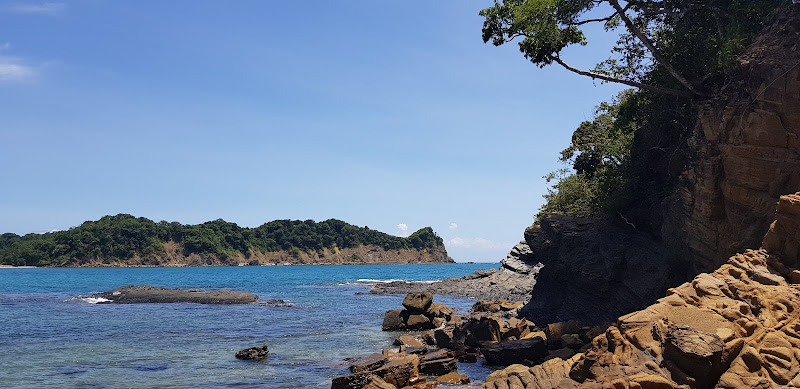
[
  {"x": 747, "y": 152},
  {"x": 738, "y": 327}
]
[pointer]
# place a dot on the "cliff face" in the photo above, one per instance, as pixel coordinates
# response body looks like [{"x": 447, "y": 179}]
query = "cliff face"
[
  {"x": 173, "y": 255},
  {"x": 595, "y": 270},
  {"x": 738, "y": 327},
  {"x": 748, "y": 153}
]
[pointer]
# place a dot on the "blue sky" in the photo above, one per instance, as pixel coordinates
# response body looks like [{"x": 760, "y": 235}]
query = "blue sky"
[{"x": 392, "y": 115}]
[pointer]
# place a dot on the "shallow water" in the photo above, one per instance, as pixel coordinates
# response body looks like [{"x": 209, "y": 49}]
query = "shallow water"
[{"x": 51, "y": 337}]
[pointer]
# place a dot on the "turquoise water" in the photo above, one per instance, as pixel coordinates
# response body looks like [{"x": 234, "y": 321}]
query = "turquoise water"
[{"x": 50, "y": 337}]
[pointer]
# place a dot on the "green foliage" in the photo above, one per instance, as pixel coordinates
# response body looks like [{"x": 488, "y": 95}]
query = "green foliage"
[
  {"x": 599, "y": 152},
  {"x": 698, "y": 39},
  {"x": 123, "y": 236},
  {"x": 688, "y": 44}
]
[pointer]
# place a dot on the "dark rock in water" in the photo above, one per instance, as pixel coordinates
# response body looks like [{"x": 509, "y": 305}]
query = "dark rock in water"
[
  {"x": 438, "y": 367},
  {"x": 278, "y": 303},
  {"x": 509, "y": 352},
  {"x": 136, "y": 294},
  {"x": 393, "y": 320},
  {"x": 253, "y": 353}
]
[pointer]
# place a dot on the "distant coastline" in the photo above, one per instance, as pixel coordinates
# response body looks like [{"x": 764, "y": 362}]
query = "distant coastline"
[{"x": 127, "y": 241}]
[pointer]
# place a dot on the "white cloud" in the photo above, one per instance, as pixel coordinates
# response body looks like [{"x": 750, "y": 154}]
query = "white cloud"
[
  {"x": 12, "y": 70},
  {"x": 5, "y": 46},
  {"x": 403, "y": 229},
  {"x": 452, "y": 227},
  {"x": 478, "y": 243},
  {"x": 42, "y": 8}
]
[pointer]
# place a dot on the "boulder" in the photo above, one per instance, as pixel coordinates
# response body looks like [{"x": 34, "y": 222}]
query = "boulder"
[
  {"x": 572, "y": 341},
  {"x": 352, "y": 381},
  {"x": 400, "y": 371},
  {"x": 440, "y": 310},
  {"x": 418, "y": 302},
  {"x": 418, "y": 322},
  {"x": 453, "y": 378},
  {"x": 393, "y": 320},
  {"x": 408, "y": 341},
  {"x": 509, "y": 352},
  {"x": 253, "y": 353},
  {"x": 477, "y": 330},
  {"x": 697, "y": 354},
  {"x": 379, "y": 383},
  {"x": 438, "y": 367},
  {"x": 443, "y": 337},
  {"x": 368, "y": 362}
]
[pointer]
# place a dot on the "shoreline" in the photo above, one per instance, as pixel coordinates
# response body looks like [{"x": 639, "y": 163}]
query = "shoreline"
[{"x": 17, "y": 267}]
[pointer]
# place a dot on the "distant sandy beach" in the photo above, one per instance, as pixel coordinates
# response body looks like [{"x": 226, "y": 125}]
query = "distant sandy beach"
[{"x": 16, "y": 267}]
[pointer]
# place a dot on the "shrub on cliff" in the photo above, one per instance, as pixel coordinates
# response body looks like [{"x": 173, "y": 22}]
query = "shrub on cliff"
[{"x": 675, "y": 52}]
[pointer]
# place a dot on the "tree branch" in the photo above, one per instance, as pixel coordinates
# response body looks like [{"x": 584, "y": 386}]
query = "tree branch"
[
  {"x": 634, "y": 84},
  {"x": 647, "y": 43}
]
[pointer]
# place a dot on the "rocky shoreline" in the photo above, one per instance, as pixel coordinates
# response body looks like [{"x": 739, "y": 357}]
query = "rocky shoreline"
[
  {"x": 736, "y": 327},
  {"x": 513, "y": 281}
]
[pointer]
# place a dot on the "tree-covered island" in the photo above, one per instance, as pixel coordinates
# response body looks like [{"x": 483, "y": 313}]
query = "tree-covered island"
[{"x": 125, "y": 240}]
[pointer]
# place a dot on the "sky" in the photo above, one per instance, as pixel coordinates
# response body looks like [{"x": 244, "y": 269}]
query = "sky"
[{"x": 391, "y": 115}]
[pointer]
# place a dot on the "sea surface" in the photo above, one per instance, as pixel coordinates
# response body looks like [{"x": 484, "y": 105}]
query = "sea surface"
[{"x": 52, "y": 336}]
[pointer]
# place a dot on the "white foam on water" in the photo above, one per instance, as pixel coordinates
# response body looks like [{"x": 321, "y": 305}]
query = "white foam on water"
[
  {"x": 371, "y": 281},
  {"x": 95, "y": 300}
]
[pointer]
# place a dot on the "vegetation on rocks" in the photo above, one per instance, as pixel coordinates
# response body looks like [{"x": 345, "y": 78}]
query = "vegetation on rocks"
[
  {"x": 676, "y": 53},
  {"x": 124, "y": 236}
]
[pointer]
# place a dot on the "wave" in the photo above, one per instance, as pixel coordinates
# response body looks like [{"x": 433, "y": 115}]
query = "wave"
[
  {"x": 372, "y": 281},
  {"x": 94, "y": 300}
]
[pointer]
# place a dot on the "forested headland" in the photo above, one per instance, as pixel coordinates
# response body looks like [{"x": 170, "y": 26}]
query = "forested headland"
[{"x": 124, "y": 238}]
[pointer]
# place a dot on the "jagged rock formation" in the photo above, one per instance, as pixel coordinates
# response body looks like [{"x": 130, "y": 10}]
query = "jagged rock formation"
[
  {"x": 595, "y": 270},
  {"x": 736, "y": 327},
  {"x": 514, "y": 280},
  {"x": 748, "y": 152}
]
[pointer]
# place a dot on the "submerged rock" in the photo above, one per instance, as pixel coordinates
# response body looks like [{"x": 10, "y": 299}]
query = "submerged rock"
[
  {"x": 137, "y": 294},
  {"x": 253, "y": 353}
]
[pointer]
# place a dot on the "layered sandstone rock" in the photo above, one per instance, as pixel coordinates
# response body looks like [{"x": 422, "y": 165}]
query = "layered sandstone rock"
[
  {"x": 747, "y": 153},
  {"x": 734, "y": 328}
]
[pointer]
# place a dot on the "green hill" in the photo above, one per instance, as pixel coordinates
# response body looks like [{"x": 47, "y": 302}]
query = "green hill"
[{"x": 121, "y": 237}]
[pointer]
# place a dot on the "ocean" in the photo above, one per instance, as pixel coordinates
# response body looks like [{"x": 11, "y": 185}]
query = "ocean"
[{"x": 52, "y": 336}]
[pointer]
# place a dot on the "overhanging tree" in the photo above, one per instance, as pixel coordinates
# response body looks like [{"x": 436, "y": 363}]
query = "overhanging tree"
[{"x": 652, "y": 32}]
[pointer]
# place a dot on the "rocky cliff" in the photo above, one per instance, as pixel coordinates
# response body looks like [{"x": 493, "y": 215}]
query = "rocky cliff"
[
  {"x": 595, "y": 270},
  {"x": 738, "y": 327},
  {"x": 747, "y": 152}
]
